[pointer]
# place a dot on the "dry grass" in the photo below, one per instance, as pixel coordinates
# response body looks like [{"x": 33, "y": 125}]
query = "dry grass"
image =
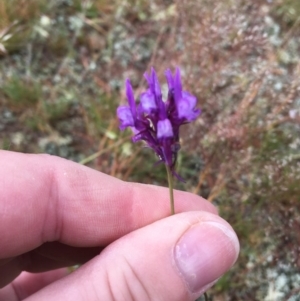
[
  {"x": 241, "y": 59},
  {"x": 16, "y": 22}
]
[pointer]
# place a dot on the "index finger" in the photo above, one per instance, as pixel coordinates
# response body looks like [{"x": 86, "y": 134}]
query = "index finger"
[{"x": 46, "y": 198}]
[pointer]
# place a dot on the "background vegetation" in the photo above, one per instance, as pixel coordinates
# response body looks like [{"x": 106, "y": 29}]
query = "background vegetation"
[{"x": 63, "y": 64}]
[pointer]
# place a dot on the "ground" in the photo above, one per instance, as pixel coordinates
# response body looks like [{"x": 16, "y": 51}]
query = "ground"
[{"x": 63, "y": 66}]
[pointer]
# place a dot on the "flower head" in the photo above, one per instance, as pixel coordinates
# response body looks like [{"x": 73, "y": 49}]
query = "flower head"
[{"x": 157, "y": 122}]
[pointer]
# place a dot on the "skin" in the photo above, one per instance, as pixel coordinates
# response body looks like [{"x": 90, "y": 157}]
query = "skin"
[{"x": 56, "y": 213}]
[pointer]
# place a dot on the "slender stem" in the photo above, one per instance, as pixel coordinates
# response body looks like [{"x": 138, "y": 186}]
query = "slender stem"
[{"x": 170, "y": 180}]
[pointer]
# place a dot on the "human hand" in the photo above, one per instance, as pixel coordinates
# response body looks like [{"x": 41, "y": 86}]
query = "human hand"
[{"x": 56, "y": 213}]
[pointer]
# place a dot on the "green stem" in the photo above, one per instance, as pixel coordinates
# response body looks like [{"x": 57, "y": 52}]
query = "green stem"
[
  {"x": 170, "y": 181},
  {"x": 205, "y": 297}
]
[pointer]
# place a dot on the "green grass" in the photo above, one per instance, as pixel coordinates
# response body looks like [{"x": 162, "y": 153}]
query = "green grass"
[
  {"x": 288, "y": 11},
  {"x": 21, "y": 93}
]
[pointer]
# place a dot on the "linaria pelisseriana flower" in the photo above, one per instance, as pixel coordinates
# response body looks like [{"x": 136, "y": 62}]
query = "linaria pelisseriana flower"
[{"x": 156, "y": 121}]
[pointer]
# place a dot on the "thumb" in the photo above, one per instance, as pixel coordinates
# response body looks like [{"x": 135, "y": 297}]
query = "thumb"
[{"x": 176, "y": 258}]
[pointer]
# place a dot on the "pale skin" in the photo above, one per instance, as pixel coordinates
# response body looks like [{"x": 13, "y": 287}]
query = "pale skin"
[{"x": 56, "y": 213}]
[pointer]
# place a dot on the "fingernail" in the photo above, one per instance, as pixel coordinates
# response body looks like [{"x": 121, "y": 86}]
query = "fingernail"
[{"x": 204, "y": 253}]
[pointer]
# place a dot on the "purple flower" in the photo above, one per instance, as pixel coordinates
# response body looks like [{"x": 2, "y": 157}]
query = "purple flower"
[{"x": 157, "y": 122}]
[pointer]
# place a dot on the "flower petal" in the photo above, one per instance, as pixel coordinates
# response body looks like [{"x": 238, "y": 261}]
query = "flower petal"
[
  {"x": 164, "y": 129},
  {"x": 186, "y": 106},
  {"x": 157, "y": 122},
  {"x": 148, "y": 102},
  {"x": 155, "y": 83},
  {"x": 170, "y": 79},
  {"x": 177, "y": 86},
  {"x": 130, "y": 97},
  {"x": 125, "y": 116}
]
